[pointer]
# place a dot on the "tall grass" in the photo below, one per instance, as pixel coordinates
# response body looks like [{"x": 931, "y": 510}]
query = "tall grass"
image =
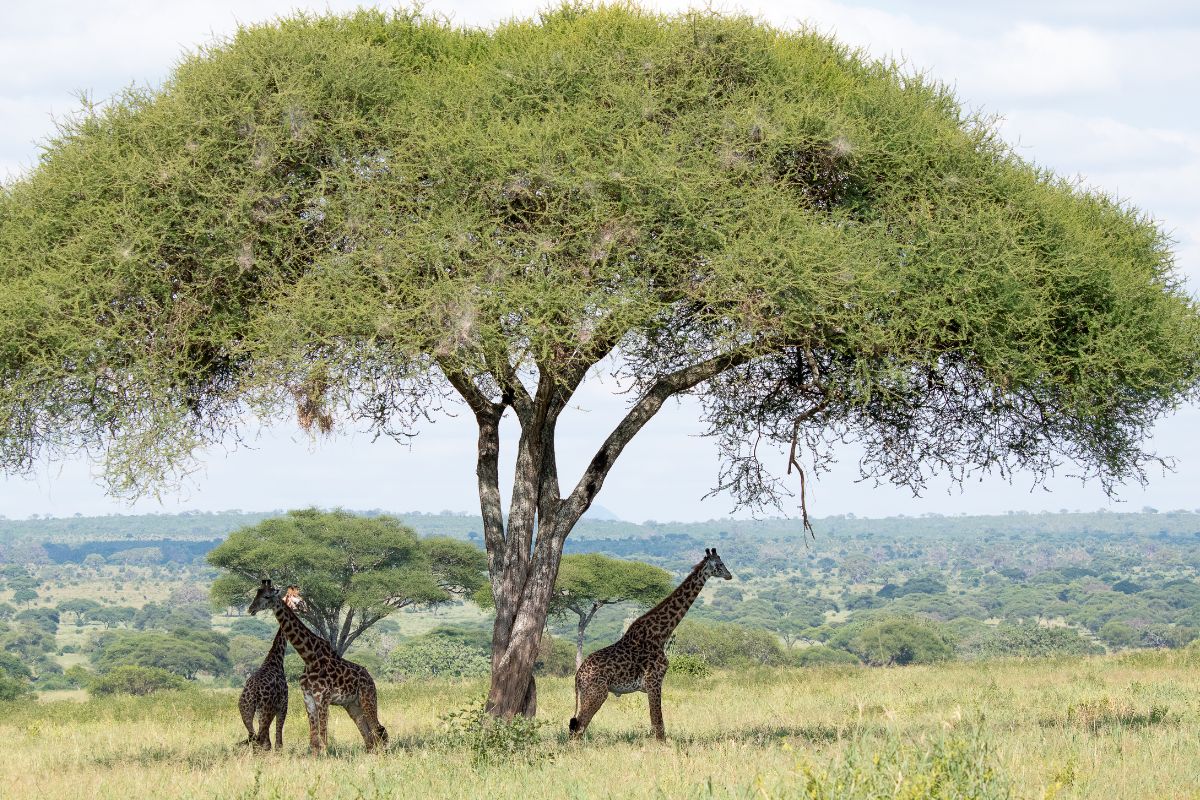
[{"x": 1113, "y": 727}]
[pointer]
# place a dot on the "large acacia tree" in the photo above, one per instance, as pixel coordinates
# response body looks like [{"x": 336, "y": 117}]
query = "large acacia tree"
[
  {"x": 352, "y": 571},
  {"x": 361, "y": 218}
]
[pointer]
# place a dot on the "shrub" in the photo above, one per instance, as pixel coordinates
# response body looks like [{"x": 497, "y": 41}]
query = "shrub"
[
  {"x": 726, "y": 644},
  {"x": 821, "y": 656},
  {"x": 1029, "y": 640},
  {"x": 555, "y": 657},
  {"x": 136, "y": 681},
  {"x": 435, "y": 656},
  {"x": 690, "y": 664},
  {"x": 489, "y": 739},
  {"x": 895, "y": 641}
]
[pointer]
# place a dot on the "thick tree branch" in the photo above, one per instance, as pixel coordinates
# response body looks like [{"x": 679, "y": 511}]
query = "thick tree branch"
[
  {"x": 642, "y": 412},
  {"x": 487, "y": 467}
]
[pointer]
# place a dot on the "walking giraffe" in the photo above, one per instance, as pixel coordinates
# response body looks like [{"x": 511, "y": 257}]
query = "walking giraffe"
[
  {"x": 266, "y": 690},
  {"x": 327, "y": 677},
  {"x": 637, "y": 661}
]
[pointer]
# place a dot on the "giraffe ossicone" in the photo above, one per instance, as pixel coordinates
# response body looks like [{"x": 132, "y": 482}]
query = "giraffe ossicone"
[
  {"x": 637, "y": 662},
  {"x": 327, "y": 679}
]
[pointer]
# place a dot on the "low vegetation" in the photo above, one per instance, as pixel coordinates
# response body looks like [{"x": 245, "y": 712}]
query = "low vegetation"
[{"x": 1114, "y": 726}]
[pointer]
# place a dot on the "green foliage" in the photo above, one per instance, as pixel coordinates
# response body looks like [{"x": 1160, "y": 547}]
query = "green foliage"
[
  {"x": 44, "y": 619},
  {"x": 725, "y": 644},
  {"x": 364, "y": 568},
  {"x": 491, "y": 740},
  {"x": 691, "y": 664},
  {"x": 593, "y": 579},
  {"x": 293, "y": 665},
  {"x": 185, "y": 653},
  {"x": 15, "y": 677},
  {"x": 821, "y": 656},
  {"x": 895, "y": 641},
  {"x": 555, "y": 657},
  {"x": 171, "y": 616},
  {"x": 81, "y": 608},
  {"x": 681, "y": 185},
  {"x": 246, "y": 654},
  {"x": 253, "y": 626},
  {"x": 24, "y": 596},
  {"x": 952, "y": 767},
  {"x": 431, "y": 655},
  {"x": 136, "y": 680},
  {"x": 1028, "y": 640},
  {"x": 1119, "y": 634}
]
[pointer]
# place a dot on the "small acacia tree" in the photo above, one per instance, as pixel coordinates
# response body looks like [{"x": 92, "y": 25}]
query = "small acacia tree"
[
  {"x": 586, "y": 583},
  {"x": 360, "y": 217},
  {"x": 352, "y": 571}
]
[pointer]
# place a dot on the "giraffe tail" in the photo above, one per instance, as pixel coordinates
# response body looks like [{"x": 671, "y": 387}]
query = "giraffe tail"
[{"x": 573, "y": 725}]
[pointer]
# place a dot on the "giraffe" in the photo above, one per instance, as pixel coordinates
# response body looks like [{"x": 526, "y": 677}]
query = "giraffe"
[
  {"x": 637, "y": 662},
  {"x": 327, "y": 677},
  {"x": 266, "y": 690}
]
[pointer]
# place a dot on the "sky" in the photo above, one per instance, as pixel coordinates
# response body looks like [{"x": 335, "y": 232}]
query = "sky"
[{"x": 1102, "y": 90}]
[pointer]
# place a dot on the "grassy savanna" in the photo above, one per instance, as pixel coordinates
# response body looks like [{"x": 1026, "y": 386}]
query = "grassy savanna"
[{"x": 1115, "y": 726}]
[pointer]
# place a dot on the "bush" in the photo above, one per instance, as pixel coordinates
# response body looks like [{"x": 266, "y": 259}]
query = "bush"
[
  {"x": 690, "y": 664},
  {"x": 1027, "y": 641},
  {"x": 494, "y": 740},
  {"x": 136, "y": 681},
  {"x": 555, "y": 657},
  {"x": 821, "y": 656},
  {"x": 726, "y": 644},
  {"x": 185, "y": 653},
  {"x": 1119, "y": 634},
  {"x": 13, "y": 688},
  {"x": 895, "y": 641},
  {"x": 435, "y": 656}
]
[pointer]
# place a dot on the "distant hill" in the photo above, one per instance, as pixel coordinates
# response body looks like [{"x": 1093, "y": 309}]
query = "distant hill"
[{"x": 196, "y": 526}]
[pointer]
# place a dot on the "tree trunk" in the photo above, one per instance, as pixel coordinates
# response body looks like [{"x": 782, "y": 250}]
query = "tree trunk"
[
  {"x": 579, "y": 644},
  {"x": 517, "y": 633},
  {"x": 523, "y": 568}
]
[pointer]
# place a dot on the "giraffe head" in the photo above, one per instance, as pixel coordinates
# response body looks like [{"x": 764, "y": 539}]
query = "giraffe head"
[
  {"x": 268, "y": 596},
  {"x": 713, "y": 565},
  {"x": 293, "y": 599}
]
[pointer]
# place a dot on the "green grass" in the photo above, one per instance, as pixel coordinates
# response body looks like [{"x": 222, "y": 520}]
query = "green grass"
[{"x": 1115, "y": 726}]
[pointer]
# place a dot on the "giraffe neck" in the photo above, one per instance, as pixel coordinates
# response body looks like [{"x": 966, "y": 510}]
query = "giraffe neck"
[
  {"x": 275, "y": 654},
  {"x": 307, "y": 644},
  {"x": 660, "y": 622}
]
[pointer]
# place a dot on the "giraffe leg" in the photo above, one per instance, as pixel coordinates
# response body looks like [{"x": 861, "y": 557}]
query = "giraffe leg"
[
  {"x": 279, "y": 725},
  {"x": 654, "y": 693},
  {"x": 265, "y": 715},
  {"x": 356, "y": 712},
  {"x": 591, "y": 696},
  {"x": 247, "y": 711},
  {"x": 654, "y": 684},
  {"x": 370, "y": 707},
  {"x": 312, "y": 704},
  {"x": 323, "y": 722}
]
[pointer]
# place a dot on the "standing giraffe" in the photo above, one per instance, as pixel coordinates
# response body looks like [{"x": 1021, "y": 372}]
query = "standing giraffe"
[
  {"x": 637, "y": 662},
  {"x": 327, "y": 677},
  {"x": 266, "y": 690}
]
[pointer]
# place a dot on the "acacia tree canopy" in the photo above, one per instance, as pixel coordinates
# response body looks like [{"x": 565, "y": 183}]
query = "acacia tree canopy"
[
  {"x": 359, "y": 217},
  {"x": 352, "y": 571}
]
